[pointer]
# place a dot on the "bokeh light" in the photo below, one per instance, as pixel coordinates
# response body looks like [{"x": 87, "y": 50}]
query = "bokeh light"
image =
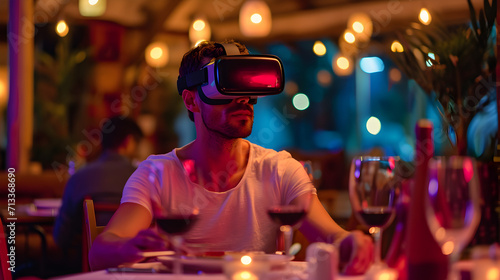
[
  {"x": 373, "y": 125},
  {"x": 397, "y": 47},
  {"x": 300, "y": 101},
  {"x": 349, "y": 37},
  {"x": 319, "y": 48},
  {"x": 324, "y": 78},
  {"x": 371, "y": 64},
  {"x": 157, "y": 54},
  {"x": 291, "y": 88},
  {"x": 199, "y": 24},
  {"x": 62, "y": 28},
  {"x": 256, "y": 18},
  {"x": 246, "y": 260},
  {"x": 395, "y": 75},
  {"x": 424, "y": 16},
  {"x": 448, "y": 248},
  {"x": 342, "y": 66}
]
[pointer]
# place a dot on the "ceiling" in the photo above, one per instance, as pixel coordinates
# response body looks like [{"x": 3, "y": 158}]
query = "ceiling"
[{"x": 292, "y": 19}]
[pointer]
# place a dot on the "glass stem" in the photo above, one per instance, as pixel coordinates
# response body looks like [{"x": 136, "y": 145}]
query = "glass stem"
[
  {"x": 377, "y": 233},
  {"x": 177, "y": 266},
  {"x": 288, "y": 236},
  {"x": 453, "y": 273}
]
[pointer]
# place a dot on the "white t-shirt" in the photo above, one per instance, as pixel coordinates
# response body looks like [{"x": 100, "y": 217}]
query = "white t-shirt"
[{"x": 233, "y": 220}]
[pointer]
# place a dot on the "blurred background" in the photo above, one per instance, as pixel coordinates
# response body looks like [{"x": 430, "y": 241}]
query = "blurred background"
[
  {"x": 122, "y": 56},
  {"x": 76, "y": 63}
]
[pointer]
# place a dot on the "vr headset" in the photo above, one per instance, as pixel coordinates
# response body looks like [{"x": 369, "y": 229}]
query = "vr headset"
[{"x": 234, "y": 75}]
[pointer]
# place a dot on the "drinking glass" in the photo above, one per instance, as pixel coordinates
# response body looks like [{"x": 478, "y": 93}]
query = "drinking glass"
[
  {"x": 373, "y": 185},
  {"x": 289, "y": 216},
  {"x": 173, "y": 223},
  {"x": 452, "y": 205}
]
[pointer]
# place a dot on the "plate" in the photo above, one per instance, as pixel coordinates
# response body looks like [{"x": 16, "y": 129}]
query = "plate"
[
  {"x": 215, "y": 264},
  {"x": 149, "y": 254}
]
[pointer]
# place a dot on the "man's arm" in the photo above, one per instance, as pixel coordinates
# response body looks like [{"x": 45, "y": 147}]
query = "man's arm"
[
  {"x": 125, "y": 237},
  {"x": 355, "y": 248}
]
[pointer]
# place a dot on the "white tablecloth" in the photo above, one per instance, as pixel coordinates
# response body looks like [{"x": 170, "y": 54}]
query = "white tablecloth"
[{"x": 295, "y": 271}]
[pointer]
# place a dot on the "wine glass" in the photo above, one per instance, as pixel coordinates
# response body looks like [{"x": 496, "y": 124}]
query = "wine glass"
[
  {"x": 289, "y": 216},
  {"x": 452, "y": 205},
  {"x": 173, "y": 223},
  {"x": 373, "y": 185}
]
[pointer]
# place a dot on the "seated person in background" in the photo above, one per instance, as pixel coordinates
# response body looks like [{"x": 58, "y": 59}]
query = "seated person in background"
[
  {"x": 102, "y": 180},
  {"x": 232, "y": 182}
]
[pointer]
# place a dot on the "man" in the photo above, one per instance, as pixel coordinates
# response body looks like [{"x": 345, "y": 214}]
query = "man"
[
  {"x": 230, "y": 180},
  {"x": 102, "y": 180}
]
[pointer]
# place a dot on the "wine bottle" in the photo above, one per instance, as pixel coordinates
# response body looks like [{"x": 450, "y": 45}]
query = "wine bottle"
[
  {"x": 424, "y": 257},
  {"x": 396, "y": 255}
]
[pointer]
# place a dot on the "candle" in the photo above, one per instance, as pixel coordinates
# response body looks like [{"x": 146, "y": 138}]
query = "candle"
[{"x": 244, "y": 275}]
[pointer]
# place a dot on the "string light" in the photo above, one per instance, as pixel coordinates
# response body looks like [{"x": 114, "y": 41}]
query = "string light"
[
  {"x": 349, "y": 37},
  {"x": 425, "y": 17},
  {"x": 255, "y": 19},
  {"x": 319, "y": 48},
  {"x": 91, "y": 8},
  {"x": 157, "y": 54},
  {"x": 397, "y": 47},
  {"x": 199, "y": 31}
]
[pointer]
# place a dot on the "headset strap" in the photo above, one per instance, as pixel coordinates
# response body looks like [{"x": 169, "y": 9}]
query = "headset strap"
[{"x": 230, "y": 49}]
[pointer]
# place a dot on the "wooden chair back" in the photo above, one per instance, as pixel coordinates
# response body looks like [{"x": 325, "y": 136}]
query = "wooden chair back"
[{"x": 90, "y": 228}]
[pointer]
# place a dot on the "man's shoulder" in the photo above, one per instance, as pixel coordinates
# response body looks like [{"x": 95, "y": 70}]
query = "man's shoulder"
[
  {"x": 160, "y": 159},
  {"x": 260, "y": 152}
]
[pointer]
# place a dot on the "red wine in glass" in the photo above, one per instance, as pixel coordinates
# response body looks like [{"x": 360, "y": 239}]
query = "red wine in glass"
[
  {"x": 287, "y": 216},
  {"x": 376, "y": 217},
  {"x": 176, "y": 224}
]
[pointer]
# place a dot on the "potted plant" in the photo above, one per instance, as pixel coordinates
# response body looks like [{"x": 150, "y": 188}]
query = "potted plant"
[{"x": 455, "y": 67}]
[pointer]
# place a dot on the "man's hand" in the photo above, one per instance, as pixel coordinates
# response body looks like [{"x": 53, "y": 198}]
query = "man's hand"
[
  {"x": 145, "y": 240},
  {"x": 356, "y": 253}
]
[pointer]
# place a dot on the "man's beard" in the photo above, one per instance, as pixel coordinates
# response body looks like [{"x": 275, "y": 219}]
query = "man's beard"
[{"x": 229, "y": 130}]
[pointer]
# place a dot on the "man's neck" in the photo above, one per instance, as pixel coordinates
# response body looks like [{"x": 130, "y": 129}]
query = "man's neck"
[{"x": 218, "y": 164}]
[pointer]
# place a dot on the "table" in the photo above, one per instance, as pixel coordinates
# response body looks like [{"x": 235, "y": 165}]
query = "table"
[
  {"x": 296, "y": 271},
  {"x": 29, "y": 219}
]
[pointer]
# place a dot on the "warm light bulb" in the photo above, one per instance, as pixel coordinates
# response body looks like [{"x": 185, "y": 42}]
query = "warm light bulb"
[
  {"x": 358, "y": 27},
  {"x": 349, "y": 37},
  {"x": 256, "y": 18},
  {"x": 93, "y": 2},
  {"x": 397, "y": 47},
  {"x": 62, "y": 28},
  {"x": 319, "y": 48},
  {"x": 199, "y": 31},
  {"x": 425, "y": 16},
  {"x": 343, "y": 63},
  {"x": 156, "y": 53},
  {"x": 198, "y": 25}
]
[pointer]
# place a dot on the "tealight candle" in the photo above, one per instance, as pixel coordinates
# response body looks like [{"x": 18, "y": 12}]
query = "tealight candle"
[
  {"x": 244, "y": 275},
  {"x": 381, "y": 274},
  {"x": 245, "y": 266},
  {"x": 486, "y": 269}
]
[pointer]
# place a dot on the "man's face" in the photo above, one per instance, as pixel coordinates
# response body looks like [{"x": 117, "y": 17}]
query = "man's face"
[{"x": 233, "y": 120}]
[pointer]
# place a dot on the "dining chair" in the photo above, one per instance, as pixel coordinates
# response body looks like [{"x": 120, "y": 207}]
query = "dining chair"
[{"x": 90, "y": 228}]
